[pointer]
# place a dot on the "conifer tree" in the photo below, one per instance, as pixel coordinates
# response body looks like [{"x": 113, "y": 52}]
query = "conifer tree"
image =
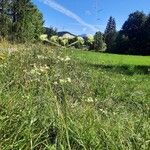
[
  {"x": 146, "y": 37},
  {"x": 27, "y": 21},
  {"x": 20, "y": 20},
  {"x": 110, "y": 33}
]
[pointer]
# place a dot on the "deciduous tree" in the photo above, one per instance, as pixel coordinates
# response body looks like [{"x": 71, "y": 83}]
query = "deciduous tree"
[{"x": 99, "y": 44}]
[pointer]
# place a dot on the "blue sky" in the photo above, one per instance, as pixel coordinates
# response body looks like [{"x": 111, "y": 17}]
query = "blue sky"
[{"x": 87, "y": 16}]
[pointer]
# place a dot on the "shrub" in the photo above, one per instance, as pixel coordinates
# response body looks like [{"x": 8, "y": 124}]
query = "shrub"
[
  {"x": 99, "y": 44},
  {"x": 89, "y": 42}
]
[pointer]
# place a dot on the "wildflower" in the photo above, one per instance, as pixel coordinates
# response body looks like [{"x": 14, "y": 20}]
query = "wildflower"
[
  {"x": 67, "y": 80},
  {"x": 90, "y": 100},
  {"x": 41, "y": 57},
  {"x": 35, "y": 71},
  {"x": 38, "y": 71},
  {"x": 60, "y": 58},
  {"x": 55, "y": 83},
  {"x": 114, "y": 113},
  {"x": 43, "y": 69},
  {"x": 74, "y": 105},
  {"x": 33, "y": 120},
  {"x": 103, "y": 111},
  {"x": 25, "y": 70},
  {"x": 11, "y": 50},
  {"x": 62, "y": 81},
  {"x": 67, "y": 58},
  {"x": 26, "y": 97},
  {"x": 46, "y": 67}
]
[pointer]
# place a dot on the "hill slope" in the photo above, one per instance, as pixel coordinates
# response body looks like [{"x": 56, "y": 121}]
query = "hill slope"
[{"x": 51, "y": 101}]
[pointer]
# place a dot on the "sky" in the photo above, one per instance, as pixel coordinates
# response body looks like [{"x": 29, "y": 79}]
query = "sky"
[{"x": 87, "y": 16}]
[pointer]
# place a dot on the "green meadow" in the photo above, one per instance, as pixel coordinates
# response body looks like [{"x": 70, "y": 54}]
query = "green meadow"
[
  {"x": 109, "y": 59},
  {"x": 66, "y": 99}
]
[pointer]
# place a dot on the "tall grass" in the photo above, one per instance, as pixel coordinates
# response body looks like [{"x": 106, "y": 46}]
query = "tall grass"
[{"x": 48, "y": 101}]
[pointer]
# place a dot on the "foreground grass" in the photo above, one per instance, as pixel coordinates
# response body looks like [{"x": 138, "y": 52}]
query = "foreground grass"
[{"x": 48, "y": 101}]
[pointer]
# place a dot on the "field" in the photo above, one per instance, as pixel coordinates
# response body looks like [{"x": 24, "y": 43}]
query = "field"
[
  {"x": 65, "y": 99},
  {"x": 110, "y": 59},
  {"x": 126, "y": 64}
]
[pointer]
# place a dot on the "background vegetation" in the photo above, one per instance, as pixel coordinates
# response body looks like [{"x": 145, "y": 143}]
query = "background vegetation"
[
  {"x": 20, "y": 21},
  {"x": 132, "y": 39}
]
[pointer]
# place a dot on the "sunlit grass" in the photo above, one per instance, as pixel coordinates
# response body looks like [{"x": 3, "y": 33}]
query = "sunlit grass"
[
  {"x": 49, "y": 100},
  {"x": 109, "y": 59}
]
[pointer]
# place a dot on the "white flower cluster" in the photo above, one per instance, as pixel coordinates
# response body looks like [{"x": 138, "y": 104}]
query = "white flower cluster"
[
  {"x": 63, "y": 41},
  {"x": 103, "y": 111},
  {"x": 80, "y": 40},
  {"x": 67, "y": 80},
  {"x": 63, "y": 81},
  {"x": 90, "y": 39},
  {"x": 11, "y": 50},
  {"x": 90, "y": 100},
  {"x": 54, "y": 38},
  {"x": 44, "y": 37},
  {"x": 67, "y": 58},
  {"x": 38, "y": 70},
  {"x": 41, "y": 57}
]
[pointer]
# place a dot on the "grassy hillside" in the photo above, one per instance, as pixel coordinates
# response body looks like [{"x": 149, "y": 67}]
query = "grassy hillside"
[{"x": 49, "y": 100}]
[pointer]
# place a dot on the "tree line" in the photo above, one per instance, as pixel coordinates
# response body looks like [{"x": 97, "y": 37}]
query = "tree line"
[
  {"x": 20, "y": 20},
  {"x": 133, "y": 38}
]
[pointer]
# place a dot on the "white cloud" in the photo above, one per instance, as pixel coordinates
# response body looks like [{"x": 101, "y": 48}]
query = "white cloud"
[{"x": 53, "y": 4}]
